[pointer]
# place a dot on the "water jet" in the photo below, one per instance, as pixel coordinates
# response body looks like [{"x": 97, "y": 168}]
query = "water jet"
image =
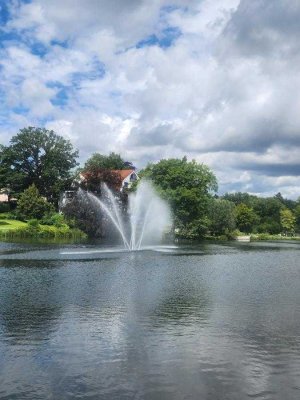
[{"x": 149, "y": 216}]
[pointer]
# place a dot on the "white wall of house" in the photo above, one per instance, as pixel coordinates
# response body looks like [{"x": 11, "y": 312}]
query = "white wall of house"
[
  {"x": 3, "y": 198},
  {"x": 127, "y": 182}
]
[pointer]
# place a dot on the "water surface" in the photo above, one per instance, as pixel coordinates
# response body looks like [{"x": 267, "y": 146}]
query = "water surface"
[{"x": 203, "y": 322}]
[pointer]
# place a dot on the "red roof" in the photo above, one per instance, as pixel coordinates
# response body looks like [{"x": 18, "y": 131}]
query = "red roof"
[{"x": 123, "y": 172}]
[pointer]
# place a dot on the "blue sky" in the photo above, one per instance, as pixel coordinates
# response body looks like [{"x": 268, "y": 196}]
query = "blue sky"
[{"x": 216, "y": 81}]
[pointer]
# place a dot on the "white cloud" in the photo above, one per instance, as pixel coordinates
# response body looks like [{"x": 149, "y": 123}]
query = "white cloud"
[{"x": 224, "y": 92}]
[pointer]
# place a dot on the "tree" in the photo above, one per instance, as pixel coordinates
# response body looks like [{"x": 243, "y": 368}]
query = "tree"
[
  {"x": 288, "y": 221},
  {"x": 187, "y": 186},
  {"x": 239, "y": 197},
  {"x": 221, "y": 216},
  {"x": 88, "y": 217},
  {"x": 268, "y": 210},
  {"x": 32, "y": 205},
  {"x": 297, "y": 215},
  {"x": 246, "y": 218},
  {"x": 286, "y": 202},
  {"x": 40, "y": 157},
  {"x": 100, "y": 162}
]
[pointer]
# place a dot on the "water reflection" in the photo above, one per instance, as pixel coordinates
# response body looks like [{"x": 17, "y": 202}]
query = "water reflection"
[
  {"x": 222, "y": 323},
  {"x": 28, "y": 309},
  {"x": 184, "y": 305}
]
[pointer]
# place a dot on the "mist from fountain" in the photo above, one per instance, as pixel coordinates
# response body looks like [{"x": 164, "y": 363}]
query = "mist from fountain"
[{"x": 149, "y": 216}]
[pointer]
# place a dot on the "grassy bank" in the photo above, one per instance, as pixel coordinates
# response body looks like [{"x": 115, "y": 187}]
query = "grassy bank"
[
  {"x": 267, "y": 236},
  {"x": 10, "y": 224},
  {"x": 253, "y": 237},
  {"x": 14, "y": 229}
]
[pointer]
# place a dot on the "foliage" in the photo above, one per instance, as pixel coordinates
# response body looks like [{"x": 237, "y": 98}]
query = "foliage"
[
  {"x": 87, "y": 215},
  {"x": 297, "y": 215},
  {"x": 288, "y": 221},
  {"x": 188, "y": 187},
  {"x": 193, "y": 230},
  {"x": 4, "y": 207},
  {"x": 56, "y": 219},
  {"x": 94, "y": 178},
  {"x": 267, "y": 236},
  {"x": 101, "y": 162},
  {"x": 267, "y": 210},
  {"x": 32, "y": 205},
  {"x": 270, "y": 226},
  {"x": 239, "y": 197},
  {"x": 42, "y": 232},
  {"x": 40, "y": 157},
  {"x": 221, "y": 214},
  {"x": 246, "y": 218},
  {"x": 11, "y": 229}
]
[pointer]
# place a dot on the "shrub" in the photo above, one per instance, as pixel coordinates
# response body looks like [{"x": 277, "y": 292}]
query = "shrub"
[
  {"x": 4, "y": 207},
  {"x": 55, "y": 219},
  {"x": 33, "y": 223},
  {"x": 32, "y": 206}
]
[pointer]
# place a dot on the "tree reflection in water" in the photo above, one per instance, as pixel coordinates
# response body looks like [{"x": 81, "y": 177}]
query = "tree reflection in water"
[{"x": 28, "y": 310}]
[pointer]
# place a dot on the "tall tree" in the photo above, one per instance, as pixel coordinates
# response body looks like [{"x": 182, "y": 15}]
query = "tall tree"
[
  {"x": 221, "y": 216},
  {"x": 40, "y": 157},
  {"x": 297, "y": 215},
  {"x": 100, "y": 161},
  {"x": 188, "y": 187},
  {"x": 288, "y": 221},
  {"x": 246, "y": 218}
]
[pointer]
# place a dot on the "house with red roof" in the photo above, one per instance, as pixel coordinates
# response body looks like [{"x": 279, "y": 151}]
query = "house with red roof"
[
  {"x": 128, "y": 176},
  {"x": 125, "y": 177}
]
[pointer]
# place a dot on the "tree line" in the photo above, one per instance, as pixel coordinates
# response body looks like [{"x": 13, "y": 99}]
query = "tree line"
[{"x": 38, "y": 165}]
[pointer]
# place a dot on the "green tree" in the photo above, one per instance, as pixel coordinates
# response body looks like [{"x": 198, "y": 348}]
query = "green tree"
[
  {"x": 239, "y": 197},
  {"x": 297, "y": 215},
  {"x": 221, "y": 214},
  {"x": 268, "y": 210},
  {"x": 40, "y": 157},
  {"x": 32, "y": 205},
  {"x": 99, "y": 161},
  {"x": 246, "y": 218},
  {"x": 288, "y": 221},
  {"x": 187, "y": 186}
]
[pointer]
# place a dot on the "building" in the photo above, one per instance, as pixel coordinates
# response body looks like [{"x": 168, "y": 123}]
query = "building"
[
  {"x": 128, "y": 176},
  {"x": 4, "y": 198}
]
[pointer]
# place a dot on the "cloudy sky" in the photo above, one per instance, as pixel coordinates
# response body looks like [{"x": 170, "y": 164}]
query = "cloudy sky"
[{"x": 216, "y": 80}]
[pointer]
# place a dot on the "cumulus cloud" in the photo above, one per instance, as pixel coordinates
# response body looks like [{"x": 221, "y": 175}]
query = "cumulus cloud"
[{"x": 218, "y": 81}]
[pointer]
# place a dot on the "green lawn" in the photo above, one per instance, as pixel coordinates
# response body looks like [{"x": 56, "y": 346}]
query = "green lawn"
[{"x": 7, "y": 224}]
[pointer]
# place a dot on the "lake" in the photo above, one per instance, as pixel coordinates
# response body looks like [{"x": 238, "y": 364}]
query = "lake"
[{"x": 212, "y": 321}]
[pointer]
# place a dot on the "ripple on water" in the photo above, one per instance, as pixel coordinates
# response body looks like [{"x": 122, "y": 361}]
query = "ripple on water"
[{"x": 221, "y": 323}]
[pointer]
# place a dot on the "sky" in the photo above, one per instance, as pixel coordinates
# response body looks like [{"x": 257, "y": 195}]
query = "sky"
[{"x": 215, "y": 80}]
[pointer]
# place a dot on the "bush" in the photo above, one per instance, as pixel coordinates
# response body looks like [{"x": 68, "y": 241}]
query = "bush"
[
  {"x": 42, "y": 232},
  {"x": 55, "y": 219},
  {"x": 32, "y": 206},
  {"x": 4, "y": 207},
  {"x": 33, "y": 223},
  {"x": 271, "y": 227},
  {"x": 8, "y": 215}
]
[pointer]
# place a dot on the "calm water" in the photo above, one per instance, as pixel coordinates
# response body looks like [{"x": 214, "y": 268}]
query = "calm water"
[{"x": 207, "y": 322}]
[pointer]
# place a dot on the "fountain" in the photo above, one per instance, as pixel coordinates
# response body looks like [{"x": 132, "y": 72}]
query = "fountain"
[{"x": 149, "y": 216}]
